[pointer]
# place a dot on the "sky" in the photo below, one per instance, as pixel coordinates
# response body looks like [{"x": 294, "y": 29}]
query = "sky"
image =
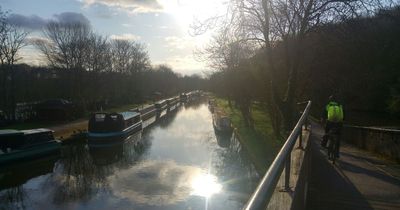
[{"x": 161, "y": 25}]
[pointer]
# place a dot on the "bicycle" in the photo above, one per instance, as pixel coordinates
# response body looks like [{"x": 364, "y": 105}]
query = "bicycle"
[{"x": 333, "y": 139}]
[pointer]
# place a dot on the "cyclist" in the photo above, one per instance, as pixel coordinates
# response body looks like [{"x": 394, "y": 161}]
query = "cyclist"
[{"x": 333, "y": 117}]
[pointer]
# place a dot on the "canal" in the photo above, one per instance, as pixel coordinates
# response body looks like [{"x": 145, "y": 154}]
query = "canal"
[{"x": 176, "y": 162}]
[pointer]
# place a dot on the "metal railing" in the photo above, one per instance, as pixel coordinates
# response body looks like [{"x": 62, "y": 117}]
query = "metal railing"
[
  {"x": 388, "y": 130},
  {"x": 263, "y": 193}
]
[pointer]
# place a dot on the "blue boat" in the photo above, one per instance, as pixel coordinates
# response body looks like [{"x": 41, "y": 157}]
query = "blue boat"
[
  {"x": 108, "y": 129},
  {"x": 26, "y": 144}
]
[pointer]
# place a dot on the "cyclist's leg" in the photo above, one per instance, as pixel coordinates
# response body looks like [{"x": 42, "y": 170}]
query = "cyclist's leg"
[
  {"x": 338, "y": 139},
  {"x": 324, "y": 141}
]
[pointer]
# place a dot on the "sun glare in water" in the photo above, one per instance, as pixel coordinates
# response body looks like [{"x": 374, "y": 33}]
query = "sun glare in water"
[{"x": 205, "y": 185}]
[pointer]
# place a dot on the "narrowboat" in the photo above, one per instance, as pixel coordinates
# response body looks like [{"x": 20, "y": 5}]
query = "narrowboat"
[
  {"x": 172, "y": 103},
  {"x": 222, "y": 123},
  {"x": 211, "y": 105},
  {"x": 147, "y": 111},
  {"x": 183, "y": 97},
  {"x": 160, "y": 105},
  {"x": 27, "y": 144},
  {"x": 107, "y": 129}
]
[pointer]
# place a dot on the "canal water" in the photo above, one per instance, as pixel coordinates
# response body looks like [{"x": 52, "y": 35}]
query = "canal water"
[{"x": 176, "y": 162}]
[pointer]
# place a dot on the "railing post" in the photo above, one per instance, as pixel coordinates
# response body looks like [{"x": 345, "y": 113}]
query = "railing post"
[
  {"x": 306, "y": 123},
  {"x": 287, "y": 173},
  {"x": 300, "y": 138}
]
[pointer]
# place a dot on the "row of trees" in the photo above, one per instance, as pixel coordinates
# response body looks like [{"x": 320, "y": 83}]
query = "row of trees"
[
  {"x": 84, "y": 67},
  {"x": 282, "y": 52}
]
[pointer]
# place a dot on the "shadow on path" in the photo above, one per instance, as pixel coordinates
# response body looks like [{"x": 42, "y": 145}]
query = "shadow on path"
[{"x": 354, "y": 182}]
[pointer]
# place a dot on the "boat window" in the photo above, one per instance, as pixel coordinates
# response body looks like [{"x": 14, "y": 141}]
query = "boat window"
[{"x": 100, "y": 117}]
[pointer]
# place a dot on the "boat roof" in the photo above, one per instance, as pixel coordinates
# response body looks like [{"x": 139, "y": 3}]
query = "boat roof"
[
  {"x": 10, "y": 132},
  {"x": 160, "y": 101},
  {"x": 125, "y": 115},
  {"x": 147, "y": 105},
  {"x": 129, "y": 114},
  {"x": 38, "y": 130}
]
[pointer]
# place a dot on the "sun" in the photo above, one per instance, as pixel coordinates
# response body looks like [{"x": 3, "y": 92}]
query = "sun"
[
  {"x": 184, "y": 11},
  {"x": 205, "y": 185}
]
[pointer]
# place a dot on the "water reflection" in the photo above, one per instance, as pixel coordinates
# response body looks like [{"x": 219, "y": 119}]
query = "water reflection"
[
  {"x": 223, "y": 139},
  {"x": 13, "y": 195},
  {"x": 176, "y": 163},
  {"x": 205, "y": 184}
]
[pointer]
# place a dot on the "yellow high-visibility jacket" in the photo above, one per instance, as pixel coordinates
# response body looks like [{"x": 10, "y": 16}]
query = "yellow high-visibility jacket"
[{"x": 335, "y": 112}]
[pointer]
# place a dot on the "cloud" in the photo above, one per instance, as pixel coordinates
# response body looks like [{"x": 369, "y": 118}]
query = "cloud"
[
  {"x": 157, "y": 183},
  {"x": 175, "y": 42},
  {"x": 71, "y": 17},
  {"x": 125, "y": 37},
  {"x": 33, "y": 22},
  {"x": 134, "y": 6}
]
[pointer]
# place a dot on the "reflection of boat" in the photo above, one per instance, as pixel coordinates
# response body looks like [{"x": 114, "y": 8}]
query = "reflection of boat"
[
  {"x": 221, "y": 123},
  {"x": 106, "y": 155},
  {"x": 26, "y": 144},
  {"x": 109, "y": 129},
  {"x": 223, "y": 139},
  {"x": 112, "y": 154},
  {"x": 16, "y": 175}
]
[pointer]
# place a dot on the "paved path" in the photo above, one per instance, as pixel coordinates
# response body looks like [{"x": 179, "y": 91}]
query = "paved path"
[
  {"x": 358, "y": 180},
  {"x": 66, "y": 130}
]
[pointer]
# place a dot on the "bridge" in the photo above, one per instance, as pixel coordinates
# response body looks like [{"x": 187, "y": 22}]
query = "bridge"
[{"x": 301, "y": 177}]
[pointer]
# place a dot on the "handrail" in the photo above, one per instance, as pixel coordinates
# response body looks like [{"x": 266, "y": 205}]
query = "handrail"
[
  {"x": 263, "y": 193},
  {"x": 374, "y": 128}
]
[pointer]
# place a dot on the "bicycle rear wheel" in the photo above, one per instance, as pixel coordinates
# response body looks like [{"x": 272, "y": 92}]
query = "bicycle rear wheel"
[{"x": 334, "y": 148}]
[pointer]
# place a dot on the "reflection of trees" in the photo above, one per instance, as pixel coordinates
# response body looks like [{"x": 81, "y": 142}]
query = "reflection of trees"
[
  {"x": 75, "y": 175},
  {"x": 234, "y": 168},
  {"x": 83, "y": 172},
  {"x": 12, "y": 179},
  {"x": 13, "y": 198}
]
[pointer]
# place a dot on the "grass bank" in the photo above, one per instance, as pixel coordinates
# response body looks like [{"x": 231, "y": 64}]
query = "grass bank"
[{"x": 260, "y": 142}]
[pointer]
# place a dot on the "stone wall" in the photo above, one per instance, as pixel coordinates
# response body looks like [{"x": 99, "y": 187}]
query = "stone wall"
[{"x": 385, "y": 142}]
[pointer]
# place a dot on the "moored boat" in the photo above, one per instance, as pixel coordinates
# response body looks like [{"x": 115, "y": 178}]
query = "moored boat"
[
  {"x": 160, "y": 105},
  {"x": 107, "y": 129},
  {"x": 221, "y": 123},
  {"x": 183, "y": 97},
  {"x": 26, "y": 144},
  {"x": 147, "y": 111}
]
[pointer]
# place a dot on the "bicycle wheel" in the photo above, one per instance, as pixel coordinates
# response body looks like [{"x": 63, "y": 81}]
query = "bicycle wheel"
[
  {"x": 334, "y": 147},
  {"x": 330, "y": 147}
]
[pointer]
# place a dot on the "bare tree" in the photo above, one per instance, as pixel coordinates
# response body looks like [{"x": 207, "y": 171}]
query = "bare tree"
[
  {"x": 284, "y": 24},
  {"x": 121, "y": 53},
  {"x": 65, "y": 44},
  {"x": 12, "y": 40},
  {"x": 129, "y": 57},
  {"x": 98, "y": 58},
  {"x": 140, "y": 60}
]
